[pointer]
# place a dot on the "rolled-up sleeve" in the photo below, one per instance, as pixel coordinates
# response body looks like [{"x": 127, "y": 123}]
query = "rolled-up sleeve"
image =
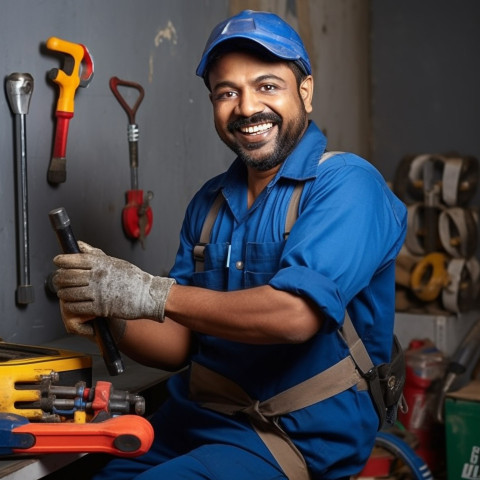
[{"x": 349, "y": 229}]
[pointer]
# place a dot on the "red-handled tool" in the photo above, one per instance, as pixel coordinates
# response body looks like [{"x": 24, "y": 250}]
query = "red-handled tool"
[
  {"x": 126, "y": 436},
  {"x": 78, "y": 72},
  {"x": 137, "y": 214}
]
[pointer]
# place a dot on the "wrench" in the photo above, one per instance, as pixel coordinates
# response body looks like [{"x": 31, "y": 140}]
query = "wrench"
[
  {"x": 19, "y": 87},
  {"x": 125, "y": 436}
]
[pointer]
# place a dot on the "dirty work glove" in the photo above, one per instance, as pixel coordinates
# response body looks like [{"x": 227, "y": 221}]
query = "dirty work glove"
[
  {"x": 83, "y": 327},
  {"x": 96, "y": 285}
]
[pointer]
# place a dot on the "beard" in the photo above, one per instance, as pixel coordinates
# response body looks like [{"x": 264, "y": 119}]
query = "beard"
[{"x": 288, "y": 136}]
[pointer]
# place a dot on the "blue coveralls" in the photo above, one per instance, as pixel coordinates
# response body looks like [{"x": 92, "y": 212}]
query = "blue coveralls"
[{"x": 340, "y": 252}]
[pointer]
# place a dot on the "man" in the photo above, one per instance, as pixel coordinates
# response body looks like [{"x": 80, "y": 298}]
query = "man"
[{"x": 255, "y": 310}]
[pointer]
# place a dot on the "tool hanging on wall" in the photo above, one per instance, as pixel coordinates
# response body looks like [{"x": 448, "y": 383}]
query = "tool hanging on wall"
[
  {"x": 19, "y": 87},
  {"x": 137, "y": 214},
  {"x": 77, "y": 72},
  {"x": 113, "y": 360}
]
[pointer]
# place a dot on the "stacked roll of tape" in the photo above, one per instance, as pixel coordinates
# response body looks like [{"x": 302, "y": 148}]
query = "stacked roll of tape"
[{"x": 438, "y": 267}]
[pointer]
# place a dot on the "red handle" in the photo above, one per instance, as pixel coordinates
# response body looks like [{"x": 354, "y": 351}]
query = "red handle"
[
  {"x": 126, "y": 436},
  {"x": 131, "y": 111},
  {"x": 61, "y": 134}
]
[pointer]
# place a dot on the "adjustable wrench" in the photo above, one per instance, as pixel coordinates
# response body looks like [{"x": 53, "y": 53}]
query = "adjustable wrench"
[
  {"x": 78, "y": 72},
  {"x": 19, "y": 87}
]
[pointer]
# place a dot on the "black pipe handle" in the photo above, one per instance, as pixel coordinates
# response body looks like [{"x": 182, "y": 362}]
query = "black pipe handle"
[{"x": 110, "y": 353}]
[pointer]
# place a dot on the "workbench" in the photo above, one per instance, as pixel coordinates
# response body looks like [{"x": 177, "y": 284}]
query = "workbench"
[{"x": 148, "y": 382}]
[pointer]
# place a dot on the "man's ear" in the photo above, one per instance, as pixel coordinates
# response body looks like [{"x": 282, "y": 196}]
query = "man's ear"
[{"x": 306, "y": 93}]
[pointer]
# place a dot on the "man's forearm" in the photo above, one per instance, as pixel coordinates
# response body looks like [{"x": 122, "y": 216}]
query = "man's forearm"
[
  {"x": 160, "y": 345},
  {"x": 260, "y": 315}
]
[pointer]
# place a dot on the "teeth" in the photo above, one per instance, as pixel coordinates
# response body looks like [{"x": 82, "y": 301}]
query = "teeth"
[{"x": 257, "y": 128}]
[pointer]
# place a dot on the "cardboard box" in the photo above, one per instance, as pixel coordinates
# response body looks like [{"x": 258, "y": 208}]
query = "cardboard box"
[{"x": 462, "y": 426}]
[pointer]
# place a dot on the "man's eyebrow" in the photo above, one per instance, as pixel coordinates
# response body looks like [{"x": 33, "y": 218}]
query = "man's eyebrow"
[
  {"x": 269, "y": 76},
  {"x": 259, "y": 79}
]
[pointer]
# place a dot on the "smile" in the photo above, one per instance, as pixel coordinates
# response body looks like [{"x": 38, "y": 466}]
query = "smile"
[{"x": 257, "y": 129}]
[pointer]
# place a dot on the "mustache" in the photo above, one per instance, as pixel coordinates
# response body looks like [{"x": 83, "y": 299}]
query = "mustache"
[{"x": 255, "y": 119}]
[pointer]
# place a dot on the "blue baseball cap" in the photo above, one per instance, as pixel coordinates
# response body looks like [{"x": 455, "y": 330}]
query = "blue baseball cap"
[{"x": 262, "y": 28}]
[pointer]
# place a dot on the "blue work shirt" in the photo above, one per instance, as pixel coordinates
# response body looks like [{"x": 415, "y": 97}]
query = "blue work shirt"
[{"x": 339, "y": 254}]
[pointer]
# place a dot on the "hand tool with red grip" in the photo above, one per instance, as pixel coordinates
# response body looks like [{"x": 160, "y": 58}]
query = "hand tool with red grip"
[
  {"x": 78, "y": 72},
  {"x": 137, "y": 216},
  {"x": 126, "y": 436},
  {"x": 19, "y": 87},
  {"x": 61, "y": 224}
]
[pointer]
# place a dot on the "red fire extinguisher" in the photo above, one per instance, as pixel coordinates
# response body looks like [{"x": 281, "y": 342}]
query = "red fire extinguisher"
[{"x": 425, "y": 368}]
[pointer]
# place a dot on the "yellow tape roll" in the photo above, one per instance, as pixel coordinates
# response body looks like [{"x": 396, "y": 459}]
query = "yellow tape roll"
[{"x": 429, "y": 277}]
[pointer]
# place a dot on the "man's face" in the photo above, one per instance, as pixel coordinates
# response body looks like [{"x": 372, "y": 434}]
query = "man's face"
[{"x": 259, "y": 111}]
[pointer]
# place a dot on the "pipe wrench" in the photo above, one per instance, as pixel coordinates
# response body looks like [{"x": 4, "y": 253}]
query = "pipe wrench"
[{"x": 77, "y": 72}]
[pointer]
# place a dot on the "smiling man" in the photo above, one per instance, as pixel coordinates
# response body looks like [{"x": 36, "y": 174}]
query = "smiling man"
[{"x": 259, "y": 290}]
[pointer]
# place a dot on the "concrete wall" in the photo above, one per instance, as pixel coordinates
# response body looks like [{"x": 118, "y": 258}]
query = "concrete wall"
[{"x": 157, "y": 44}]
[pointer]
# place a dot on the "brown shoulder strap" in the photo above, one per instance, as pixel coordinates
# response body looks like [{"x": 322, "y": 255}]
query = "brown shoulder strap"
[
  {"x": 292, "y": 212},
  {"x": 199, "y": 249},
  {"x": 292, "y": 215},
  {"x": 357, "y": 348}
]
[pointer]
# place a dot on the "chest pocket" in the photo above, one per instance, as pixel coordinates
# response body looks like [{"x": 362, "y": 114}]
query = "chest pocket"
[
  {"x": 262, "y": 259},
  {"x": 213, "y": 274},
  {"x": 261, "y": 262}
]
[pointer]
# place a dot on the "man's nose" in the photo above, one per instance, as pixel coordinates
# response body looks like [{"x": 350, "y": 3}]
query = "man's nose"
[{"x": 248, "y": 104}]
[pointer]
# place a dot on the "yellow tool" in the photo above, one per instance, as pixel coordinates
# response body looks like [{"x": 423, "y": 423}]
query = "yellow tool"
[
  {"x": 78, "y": 72},
  {"x": 22, "y": 368}
]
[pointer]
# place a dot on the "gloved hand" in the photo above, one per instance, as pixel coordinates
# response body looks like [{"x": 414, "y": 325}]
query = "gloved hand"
[
  {"x": 83, "y": 327},
  {"x": 97, "y": 285},
  {"x": 75, "y": 324}
]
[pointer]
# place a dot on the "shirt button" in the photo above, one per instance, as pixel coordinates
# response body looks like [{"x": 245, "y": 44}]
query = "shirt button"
[{"x": 239, "y": 265}]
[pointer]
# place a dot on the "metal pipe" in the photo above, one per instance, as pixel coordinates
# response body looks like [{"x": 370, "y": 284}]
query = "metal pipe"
[{"x": 19, "y": 87}]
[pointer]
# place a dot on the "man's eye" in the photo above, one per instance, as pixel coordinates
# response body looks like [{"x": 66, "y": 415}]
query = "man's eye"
[
  {"x": 268, "y": 88},
  {"x": 229, "y": 94}
]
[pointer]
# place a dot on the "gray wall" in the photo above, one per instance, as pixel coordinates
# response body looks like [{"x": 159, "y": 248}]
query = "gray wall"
[
  {"x": 156, "y": 44},
  {"x": 423, "y": 96},
  {"x": 425, "y": 79}
]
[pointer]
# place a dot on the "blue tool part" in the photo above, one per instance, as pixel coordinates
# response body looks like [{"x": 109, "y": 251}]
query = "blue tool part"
[
  {"x": 402, "y": 450},
  {"x": 9, "y": 440}
]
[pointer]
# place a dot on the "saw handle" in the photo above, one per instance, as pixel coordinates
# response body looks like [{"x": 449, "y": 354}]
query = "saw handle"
[{"x": 110, "y": 353}]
